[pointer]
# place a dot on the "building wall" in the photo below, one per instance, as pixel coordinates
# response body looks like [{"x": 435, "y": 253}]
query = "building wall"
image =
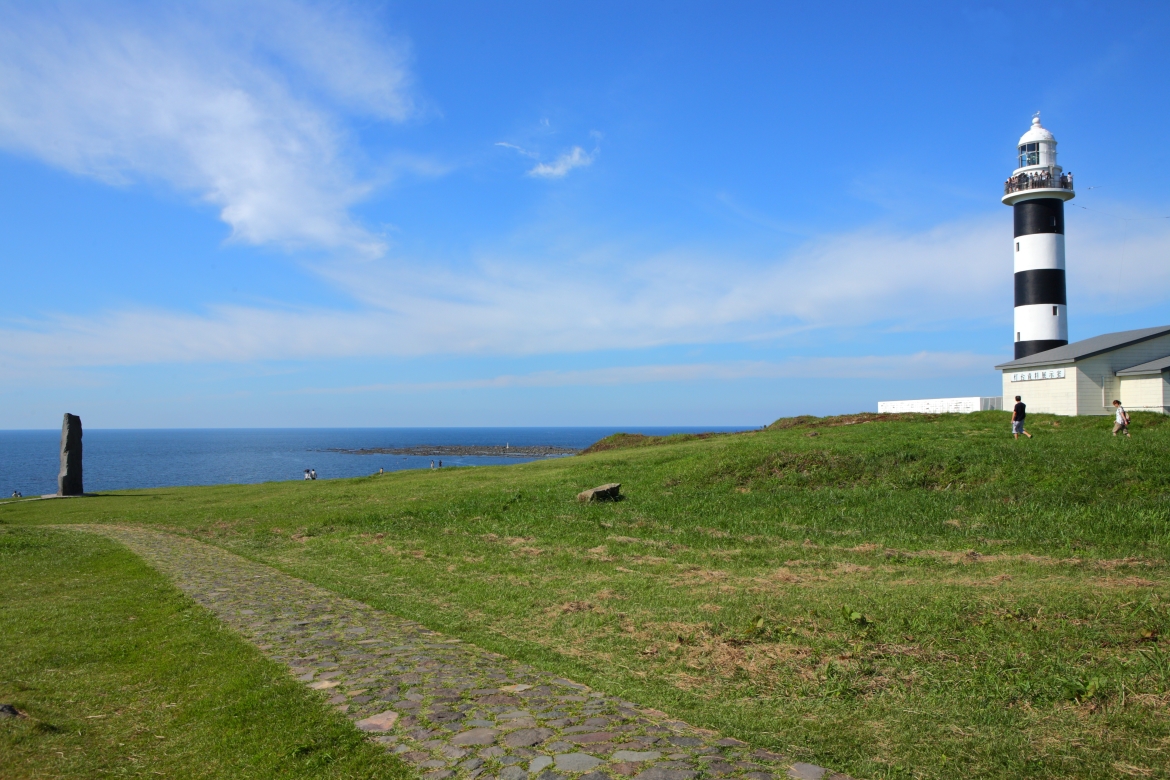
[
  {"x": 1045, "y": 396},
  {"x": 1096, "y": 385},
  {"x": 1097, "y": 373},
  {"x": 1145, "y": 393},
  {"x": 1089, "y": 386}
]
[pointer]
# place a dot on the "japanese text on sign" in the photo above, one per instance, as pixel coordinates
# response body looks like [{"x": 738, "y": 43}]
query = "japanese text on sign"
[{"x": 1048, "y": 373}]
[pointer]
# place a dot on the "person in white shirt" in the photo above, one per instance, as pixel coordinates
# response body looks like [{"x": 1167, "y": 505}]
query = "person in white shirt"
[{"x": 1121, "y": 421}]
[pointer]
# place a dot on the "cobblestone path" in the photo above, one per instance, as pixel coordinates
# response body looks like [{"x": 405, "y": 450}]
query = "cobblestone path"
[{"x": 451, "y": 709}]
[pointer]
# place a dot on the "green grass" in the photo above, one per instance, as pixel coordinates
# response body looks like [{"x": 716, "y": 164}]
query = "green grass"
[
  {"x": 916, "y": 597},
  {"x": 123, "y": 676}
]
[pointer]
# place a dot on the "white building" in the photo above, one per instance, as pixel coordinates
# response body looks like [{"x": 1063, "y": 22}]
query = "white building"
[
  {"x": 1085, "y": 377},
  {"x": 966, "y": 405}
]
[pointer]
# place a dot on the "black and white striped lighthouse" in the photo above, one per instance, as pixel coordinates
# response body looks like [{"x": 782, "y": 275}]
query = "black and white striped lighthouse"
[{"x": 1036, "y": 191}]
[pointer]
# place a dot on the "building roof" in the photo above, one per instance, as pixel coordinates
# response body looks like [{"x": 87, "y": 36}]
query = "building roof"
[
  {"x": 1079, "y": 350},
  {"x": 1153, "y": 367}
]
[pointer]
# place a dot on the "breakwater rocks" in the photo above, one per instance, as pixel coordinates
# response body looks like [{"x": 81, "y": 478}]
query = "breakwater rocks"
[{"x": 451, "y": 450}]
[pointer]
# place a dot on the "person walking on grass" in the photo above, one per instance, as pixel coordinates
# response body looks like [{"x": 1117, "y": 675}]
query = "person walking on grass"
[
  {"x": 1018, "y": 413},
  {"x": 1121, "y": 421}
]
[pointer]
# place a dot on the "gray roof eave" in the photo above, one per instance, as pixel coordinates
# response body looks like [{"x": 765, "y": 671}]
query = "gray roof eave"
[
  {"x": 1140, "y": 372},
  {"x": 1149, "y": 367},
  {"x": 1021, "y": 364},
  {"x": 1065, "y": 358}
]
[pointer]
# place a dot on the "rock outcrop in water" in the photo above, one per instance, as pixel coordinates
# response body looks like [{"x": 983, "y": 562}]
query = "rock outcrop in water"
[
  {"x": 452, "y": 450},
  {"x": 69, "y": 478}
]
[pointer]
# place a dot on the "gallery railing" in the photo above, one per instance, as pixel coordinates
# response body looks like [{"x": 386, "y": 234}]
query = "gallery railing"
[{"x": 1037, "y": 181}]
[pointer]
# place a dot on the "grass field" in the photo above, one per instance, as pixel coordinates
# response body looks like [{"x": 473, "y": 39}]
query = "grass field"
[
  {"x": 918, "y": 597},
  {"x": 120, "y": 675}
]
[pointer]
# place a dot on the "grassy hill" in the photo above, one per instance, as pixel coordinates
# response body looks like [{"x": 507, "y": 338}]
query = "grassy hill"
[{"x": 895, "y": 596}]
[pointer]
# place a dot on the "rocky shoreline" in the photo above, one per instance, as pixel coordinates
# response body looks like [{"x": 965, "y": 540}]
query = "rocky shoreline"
[{"x": 449, "y": 450}]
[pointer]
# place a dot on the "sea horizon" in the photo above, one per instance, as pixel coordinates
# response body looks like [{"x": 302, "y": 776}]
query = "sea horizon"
[{"x": 137, "y": 458}]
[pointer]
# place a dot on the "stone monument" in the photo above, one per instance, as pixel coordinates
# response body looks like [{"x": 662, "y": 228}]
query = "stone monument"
[{"x": 69, "y": 479}]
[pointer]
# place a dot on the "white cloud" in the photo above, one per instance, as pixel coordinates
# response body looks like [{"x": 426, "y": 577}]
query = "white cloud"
[
  {"x": 574, "y": 158},
  {"x": 1117, "y": 264},
  {"x": 600, "y": 299},
  {"x": 612, "y": 297},
  {"x": 238, "y": 104},
  {"x": 921, "y": 365}
]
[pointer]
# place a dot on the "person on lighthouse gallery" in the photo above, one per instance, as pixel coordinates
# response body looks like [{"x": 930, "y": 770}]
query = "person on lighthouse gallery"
[
  {"x": 1019, "y": 411},
  {"x": 1121, "y": 420}
]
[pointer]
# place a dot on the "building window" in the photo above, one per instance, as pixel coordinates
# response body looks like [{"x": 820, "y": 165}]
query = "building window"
[
  {"x": 1053, "y": 311},
  {"x": 1029, "y": 154},
  {"x": 1017, "y": 335},
  {"x": 1017, "y": 246}
]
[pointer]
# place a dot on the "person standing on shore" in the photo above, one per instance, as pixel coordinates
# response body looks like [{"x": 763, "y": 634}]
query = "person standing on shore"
[
  {"x": 1019, "y": 411},
  {"x": 432, "y": 464},
  {"x": 1121, "y": 421}
]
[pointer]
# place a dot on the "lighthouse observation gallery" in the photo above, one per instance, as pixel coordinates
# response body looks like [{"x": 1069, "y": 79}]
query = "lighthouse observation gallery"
[{"x": 1048, "y": 373}]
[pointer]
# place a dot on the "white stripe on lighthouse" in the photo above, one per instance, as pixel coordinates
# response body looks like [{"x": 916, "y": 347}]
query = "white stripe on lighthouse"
[
  {"x": 1039, "y": 250},
  {"x": 1038, "y": 323}
]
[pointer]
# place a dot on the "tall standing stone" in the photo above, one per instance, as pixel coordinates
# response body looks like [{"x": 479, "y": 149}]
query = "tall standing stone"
[{"x": 69, "y": 479}]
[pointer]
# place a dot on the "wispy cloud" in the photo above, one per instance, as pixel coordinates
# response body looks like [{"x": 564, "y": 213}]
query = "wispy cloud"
[
  {"x": 520, "y": 149},
  {"x": 917, "y": 366},
  {"x": 574, "y": 158},
  {"x": 611, "y": 297},
  {"x": 241, "y": 105}
]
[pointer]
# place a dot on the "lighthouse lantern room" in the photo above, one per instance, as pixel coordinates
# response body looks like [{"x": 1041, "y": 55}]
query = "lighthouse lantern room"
[{"x": 1036, "y": 191}]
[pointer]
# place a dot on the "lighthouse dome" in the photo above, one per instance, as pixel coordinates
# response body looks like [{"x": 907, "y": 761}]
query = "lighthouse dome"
[{"x": 1037, "y": 133}]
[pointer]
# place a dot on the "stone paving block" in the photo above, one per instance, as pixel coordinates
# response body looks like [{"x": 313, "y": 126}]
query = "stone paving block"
[
  {"x": 586, "y": 739},
  {"x": 446, "y": 697},
  {"x": 476, "y": 736},
  {"x": 634, "y": 755},
  {"x": 527, "y": 737},
  {"x": 657, "y": 773},
  {"x": 321, "y": 685},
  {"x": 576, "y": 762},
  {"x": 383, "y": 721},
  {"x": 801, "y": 771}
]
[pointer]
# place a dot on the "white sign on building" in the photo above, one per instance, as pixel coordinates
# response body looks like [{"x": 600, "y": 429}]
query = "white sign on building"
[
  {"x": 1031, "y": 376},
  {"x": 942, "y": 405}
]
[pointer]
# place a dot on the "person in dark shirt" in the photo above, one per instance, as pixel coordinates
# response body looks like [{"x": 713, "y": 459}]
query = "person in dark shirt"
[{"x": 1018, "y": 414}]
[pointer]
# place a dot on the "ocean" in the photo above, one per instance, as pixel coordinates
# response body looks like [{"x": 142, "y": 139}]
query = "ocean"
[{"x": 127, "y": 459}]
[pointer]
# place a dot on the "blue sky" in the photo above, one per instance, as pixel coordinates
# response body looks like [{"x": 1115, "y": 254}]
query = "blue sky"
[{"x": 434, "y": 213}]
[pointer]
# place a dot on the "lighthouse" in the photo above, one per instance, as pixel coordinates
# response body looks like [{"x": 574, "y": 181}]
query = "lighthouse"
[{"x": 1036, "y": 191}]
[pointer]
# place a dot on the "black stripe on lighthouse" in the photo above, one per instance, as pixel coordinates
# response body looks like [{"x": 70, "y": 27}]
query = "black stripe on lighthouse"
[
  {"x": 1039, "y": 285},
  {"x": 1042, "y": 215}
]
